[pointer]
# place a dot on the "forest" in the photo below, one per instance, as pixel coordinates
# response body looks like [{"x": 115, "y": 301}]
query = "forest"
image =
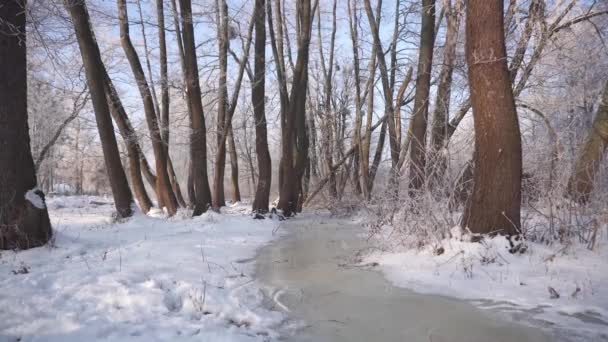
[{"x": 209, "y": 170}]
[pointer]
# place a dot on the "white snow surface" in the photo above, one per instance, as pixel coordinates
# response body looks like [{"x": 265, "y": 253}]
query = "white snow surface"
[
  {"x": 35, "y": 199},
  {"x": 146, "y": 279},
  {"x": 514, "y": 285}
]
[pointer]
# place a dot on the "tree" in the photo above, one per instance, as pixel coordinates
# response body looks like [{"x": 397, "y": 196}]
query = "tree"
[
  {"x": 294, "y": 149},
  {"x": 421, "y": 98},
  {"x": 444, "y": 90},
  {"x": 494, "y": 205},
  {"x": 164, "y": 192},
  {"x": 590, "y": 157},
  {"x": 258, "y": 98},
  {"x": 94, "y": 68},
  {"x": 198, "y": 137},
  {"x": 222, "y": 103},
  {"x": 24, "y": 219}
]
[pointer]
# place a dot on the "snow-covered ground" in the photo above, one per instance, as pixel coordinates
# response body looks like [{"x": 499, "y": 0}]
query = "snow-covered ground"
[
  {"x": 524, "y": 286},
  {"x": 146, "y": 279}
]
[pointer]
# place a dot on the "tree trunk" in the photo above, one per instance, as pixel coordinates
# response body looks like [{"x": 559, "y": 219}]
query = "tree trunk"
[
  {"x": 438, "y": 159},
  {"x": 295, "y": 130},
  {"x": 166, "y": 197},
  {"x": 180, "y": 45},
  {"x": 421, "y": 98},
  {"x": 258, "y": 95},
  {"x": 24, "y": 220},
  {"x": 130, "y": 138},
  {"x": 91, "y": 57},
  {"x": 494, "y": 205},
  {"x": 590, "y": 158},
  {"x": 198, "y": 138},
  {"x": 222, "y": 105},
  {"x": 234, "y": 167}
]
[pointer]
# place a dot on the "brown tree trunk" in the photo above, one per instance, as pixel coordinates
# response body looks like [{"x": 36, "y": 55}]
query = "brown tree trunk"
[
  {"x": 421, "y": 98},
  {"x": 180, "y": 45},
  {"x": 494, "y": 205},
  {"x": 198, "y": 138},
  {"x": 91, "y": 57},
  {"x": 130, "y": 138},
  {"x": 24, "y": 220},
  {"x": 294, "y": 131},
  {"x": 258, "y": 95},
  {"x": 166, "y": 197},
  {"x": 590, "y": 158}
]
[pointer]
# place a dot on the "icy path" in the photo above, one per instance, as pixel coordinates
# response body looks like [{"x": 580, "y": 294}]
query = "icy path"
[{"x": 314, "y": 274}]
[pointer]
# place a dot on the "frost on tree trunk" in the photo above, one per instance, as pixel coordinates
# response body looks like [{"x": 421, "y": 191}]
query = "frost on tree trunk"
[
  {"x": 581, "y": 182},
  {"x": 24, "y": 220},
  {"x": 494, "y": 205}
]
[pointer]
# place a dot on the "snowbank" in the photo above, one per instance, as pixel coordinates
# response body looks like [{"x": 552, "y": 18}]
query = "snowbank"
[
  {"x": 525, "y": 285},
  {"x": 148, "y": 279}
]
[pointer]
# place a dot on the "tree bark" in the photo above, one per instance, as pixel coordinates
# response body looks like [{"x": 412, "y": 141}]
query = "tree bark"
[
  {"x": 222, "y": 105},
  {"x": 258, "y": 97},
  {"x": 494, "y": 205},
  {"x": 294, "y": 132},
  {"x": 91, "y": 57},
  {"x": 166, "y": 197},
  {"x": 234, "y": 166},
  {"x": 130, "y": 138},
  {"x": 580, "y": 185},
  {"x": 198, "y": 138},
  {"x": 421, "y": 98},
  {"x": 180, "y": 45},
  {"x": 24, "y": 220}
]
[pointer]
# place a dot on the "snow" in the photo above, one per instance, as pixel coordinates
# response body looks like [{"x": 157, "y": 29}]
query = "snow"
[
  {"x": 145, "y": 279},
  {"x": 34, "y": 198},
  {"x": 514, "y": 285}
]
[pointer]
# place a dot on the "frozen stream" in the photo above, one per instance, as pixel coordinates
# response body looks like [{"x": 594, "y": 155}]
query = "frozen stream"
[{"x": 315, "y": 278}]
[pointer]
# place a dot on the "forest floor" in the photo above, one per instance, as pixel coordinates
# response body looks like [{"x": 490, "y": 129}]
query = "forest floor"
[
  {"x": 195, "y": 279},
  {"x": 147, "y": 279}
]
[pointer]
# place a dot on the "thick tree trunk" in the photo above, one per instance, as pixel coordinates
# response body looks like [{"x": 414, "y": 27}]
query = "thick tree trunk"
[
  {"x": 295, "y": 131},
  {"x": 421, "y": 98},
  {"x": 258, "y": 95},
  {"x": 590, "y": 158},
  {"x": 24, "y": 220},
  {"x": 494, "y": 205},
  {"x": 91, "y": 57},
  {"x": 166, "y": 197},
  {"x": 198, "y": 138}
]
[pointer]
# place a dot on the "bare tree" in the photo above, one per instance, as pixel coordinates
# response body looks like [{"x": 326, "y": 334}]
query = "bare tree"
[
  {"x": 258, "y": 98},
  {"x": 421, "y": 99},
  {"x": 494, "y": 205},
  {"x": 294, "y": 131},
  {"x": 198, "y": 138},
  {"x": 166, "y": 197},
  {"x": 91, "y": 57},
  {"x": 24, "y": 220}
]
